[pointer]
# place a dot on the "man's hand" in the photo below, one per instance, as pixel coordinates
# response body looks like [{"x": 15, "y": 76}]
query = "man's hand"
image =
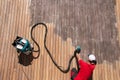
[{"x": 78, "y": 56}]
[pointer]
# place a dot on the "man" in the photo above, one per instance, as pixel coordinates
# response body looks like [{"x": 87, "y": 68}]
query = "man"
[{"x": 86, "y": 68}]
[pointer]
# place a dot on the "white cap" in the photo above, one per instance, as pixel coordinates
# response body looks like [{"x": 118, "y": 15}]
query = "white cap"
[{"x": 92, "y": 57}]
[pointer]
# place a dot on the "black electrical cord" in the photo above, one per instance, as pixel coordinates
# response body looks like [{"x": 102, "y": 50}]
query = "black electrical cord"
[{"x": 46, "y": 30}]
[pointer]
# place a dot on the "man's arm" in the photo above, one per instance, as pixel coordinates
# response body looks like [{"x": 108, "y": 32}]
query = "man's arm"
[
  {"x": 80, "y": 61},
  {"x": 78, "y": 56},
  {"x": 77, "y": 60}
]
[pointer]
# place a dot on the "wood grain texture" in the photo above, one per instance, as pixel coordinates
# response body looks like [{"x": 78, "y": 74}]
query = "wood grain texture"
[
  {"x": 118, "y": 16},
  {"x": 17, "y": 17}
]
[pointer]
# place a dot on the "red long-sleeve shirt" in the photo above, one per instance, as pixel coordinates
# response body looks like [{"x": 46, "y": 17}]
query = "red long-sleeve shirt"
[{"x": 85, "y": 72}]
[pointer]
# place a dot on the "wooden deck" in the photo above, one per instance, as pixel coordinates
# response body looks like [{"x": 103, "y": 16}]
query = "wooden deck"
[{"x": 91, "y": 24}]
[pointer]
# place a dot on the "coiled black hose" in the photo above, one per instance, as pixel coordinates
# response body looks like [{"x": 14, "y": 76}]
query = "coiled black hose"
[{"x": 46, "y": 30}]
